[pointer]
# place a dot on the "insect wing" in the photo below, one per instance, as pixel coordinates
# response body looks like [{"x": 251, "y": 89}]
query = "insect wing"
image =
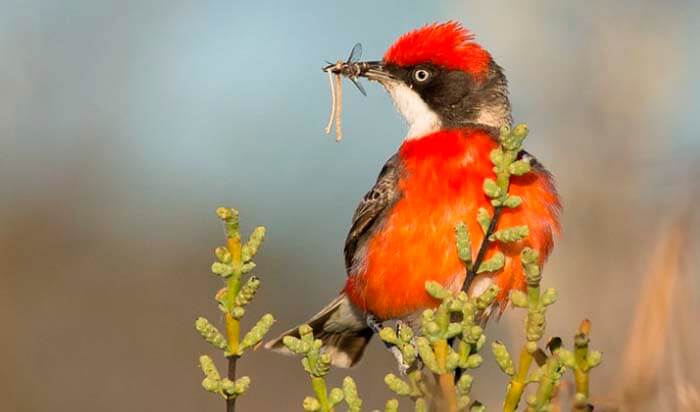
[
  {"x": 355, "y": 53},
  {"x": 358, "y": 85}
]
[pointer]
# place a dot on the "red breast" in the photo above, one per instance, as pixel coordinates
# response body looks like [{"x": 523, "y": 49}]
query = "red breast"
[{"x": 441, "y": 185}]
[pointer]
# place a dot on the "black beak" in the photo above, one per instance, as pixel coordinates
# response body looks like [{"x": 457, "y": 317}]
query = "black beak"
[{"x": 374, "y": 70}]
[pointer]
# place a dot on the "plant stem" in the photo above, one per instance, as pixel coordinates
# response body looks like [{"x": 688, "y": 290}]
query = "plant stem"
[
  {"x": 446, "y": 380},
  {"x": 548, "y": 382},
  {"x": 233, "y": 327},
  {"x": 581, "y": 378},
  {"x": 471, "y": 270},
  {"x": 233, "y": 286},
  {"x": 233, "y": 333},
  {"x": 518, "y": 382},
  {"x": 319, "y": 385},
  {"x": 441, "y": 348},
  {"x": 231, "y": 402},
  {"x": 581, "y": 341}
]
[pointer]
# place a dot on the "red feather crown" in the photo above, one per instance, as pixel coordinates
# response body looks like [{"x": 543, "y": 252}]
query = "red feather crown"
[{"x": 444, "y": 44}]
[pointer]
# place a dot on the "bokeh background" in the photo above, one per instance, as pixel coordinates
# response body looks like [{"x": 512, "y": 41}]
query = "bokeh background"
[{"x": 124, "y": 124}]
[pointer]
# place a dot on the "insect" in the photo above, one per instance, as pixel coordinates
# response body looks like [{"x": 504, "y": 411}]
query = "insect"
[{"x": 351, "y": 69}]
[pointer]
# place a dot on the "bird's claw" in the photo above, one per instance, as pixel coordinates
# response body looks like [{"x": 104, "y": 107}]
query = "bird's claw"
[
  {"x": 401, "y": 364},
  {"x": 376, "y": 326}
]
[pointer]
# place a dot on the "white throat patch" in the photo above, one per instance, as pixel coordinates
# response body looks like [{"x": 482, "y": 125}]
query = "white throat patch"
[{"x": 421, "y": 119}]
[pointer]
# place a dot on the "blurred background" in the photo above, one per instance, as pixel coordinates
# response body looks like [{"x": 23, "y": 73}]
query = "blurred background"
[{"x": 124, "y": 124}]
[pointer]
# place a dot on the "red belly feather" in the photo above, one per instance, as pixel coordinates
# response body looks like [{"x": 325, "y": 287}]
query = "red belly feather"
[{"x": 441, "y": 185}]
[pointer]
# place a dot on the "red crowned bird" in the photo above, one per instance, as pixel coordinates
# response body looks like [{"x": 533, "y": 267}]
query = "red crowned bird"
[{"x": 454, "y": 98}]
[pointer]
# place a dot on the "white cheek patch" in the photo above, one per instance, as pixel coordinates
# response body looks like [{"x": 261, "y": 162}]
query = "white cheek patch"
[{"x": 421, "y": 119}]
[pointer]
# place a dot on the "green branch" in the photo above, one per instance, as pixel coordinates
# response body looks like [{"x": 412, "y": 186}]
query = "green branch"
[
  {"x": 317, "y": 364},
  {"x": 536, "y": 304},
  {"x": 581, "y": 362},
  {"x": 453, "y": 320},
  {"x": 233, "y": 262},
  {"x": 506, "y": 164}
]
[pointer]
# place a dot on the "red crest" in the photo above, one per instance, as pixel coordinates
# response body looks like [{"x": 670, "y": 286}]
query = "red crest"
[{"x": 444, "y": 44}]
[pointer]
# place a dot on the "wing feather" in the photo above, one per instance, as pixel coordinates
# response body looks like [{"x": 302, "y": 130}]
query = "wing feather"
[{"x": 372, "y": 210}]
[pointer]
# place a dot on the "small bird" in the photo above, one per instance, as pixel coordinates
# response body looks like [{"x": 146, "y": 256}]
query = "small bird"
[{"x": 454, "y": 98}]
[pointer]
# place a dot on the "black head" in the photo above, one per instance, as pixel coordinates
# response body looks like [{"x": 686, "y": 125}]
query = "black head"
[
  {"x": 458, "y": 98},
  {"x": 440, "y": 78}
]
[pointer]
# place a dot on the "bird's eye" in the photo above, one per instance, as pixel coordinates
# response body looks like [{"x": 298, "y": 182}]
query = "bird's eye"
[{"x": 421, "y": 75}]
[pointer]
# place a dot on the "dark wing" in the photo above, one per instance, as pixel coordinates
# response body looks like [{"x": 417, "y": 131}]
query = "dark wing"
[{"x": 371, "y": 211}]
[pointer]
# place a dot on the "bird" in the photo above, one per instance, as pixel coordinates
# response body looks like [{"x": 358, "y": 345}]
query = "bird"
[{"x": 454, "y": 98}]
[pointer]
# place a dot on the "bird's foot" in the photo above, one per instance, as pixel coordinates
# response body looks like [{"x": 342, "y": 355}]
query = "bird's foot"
[
  {"x": 400, "y": 362},
  {"x": 374, "y": 324},
  {"x": 376, "y": 327}
]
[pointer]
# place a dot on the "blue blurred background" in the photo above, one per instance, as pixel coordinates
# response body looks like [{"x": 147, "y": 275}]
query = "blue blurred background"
[{"x": 124, "y": 124}]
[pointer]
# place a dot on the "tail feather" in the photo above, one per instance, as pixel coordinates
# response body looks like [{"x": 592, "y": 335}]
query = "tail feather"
[{"x": 341, "y": 328}]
